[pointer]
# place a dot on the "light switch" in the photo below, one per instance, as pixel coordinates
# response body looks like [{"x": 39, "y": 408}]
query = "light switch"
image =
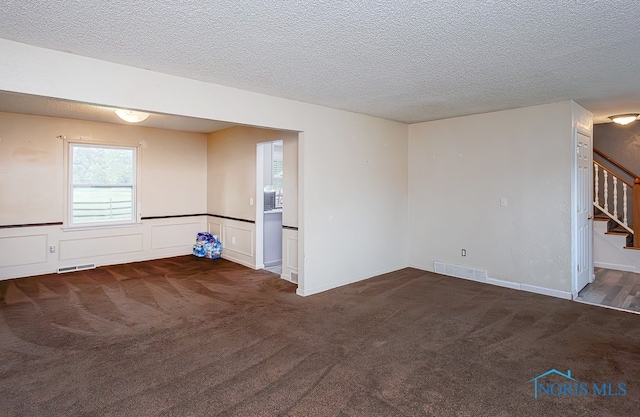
[
  {"x": 251, "y": 201},
  {"x": 503, "y": 202}
]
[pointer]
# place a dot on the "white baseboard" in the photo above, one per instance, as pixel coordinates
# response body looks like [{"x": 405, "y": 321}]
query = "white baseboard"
[
  {"x": 506, "y": 284},
  {"x": 317, "y": 290},
  {"x": 306, "y": 292},
  {"x": 566, "y": 295},
  {"x": 512, "y": 285},
  {"x": 617, "y": 267},
  {"x": 284, "y": 275},
  {"x": 546, "y": 291},
  {"x": 286, "y": 278},
  {"x": 241, "y": 262},
  {"x": 52, "y": 268},
  {"x": 32, "y": 273},
  {"x": 428, "y": 268}
]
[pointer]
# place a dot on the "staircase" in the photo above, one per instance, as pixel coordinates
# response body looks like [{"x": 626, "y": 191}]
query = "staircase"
[
  {"x": 616, "y": 205},
  {"x": 613, "y": 228}
]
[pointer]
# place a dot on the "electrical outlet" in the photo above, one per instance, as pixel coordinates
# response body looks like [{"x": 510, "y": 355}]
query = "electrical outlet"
[
  {"x": 251, "y": 201},
  {"x": 463, "y": 252},
  {"x": 503, "y": 202},
  {"x": 52, "y": 249},
  {"x": 233, "y": 240}
]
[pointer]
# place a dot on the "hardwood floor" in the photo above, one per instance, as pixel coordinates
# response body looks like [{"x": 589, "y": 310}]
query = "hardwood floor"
[{"x": 613, "y": 289}]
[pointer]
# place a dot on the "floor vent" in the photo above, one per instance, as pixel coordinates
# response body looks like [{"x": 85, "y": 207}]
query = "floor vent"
[
  {"x": 460, "y": 271},
  {"x": 75, "y": 268}
]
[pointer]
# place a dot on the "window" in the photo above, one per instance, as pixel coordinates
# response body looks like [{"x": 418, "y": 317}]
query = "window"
[
  {"x": 102, "y": 184},
  {"x": 274, "y": 165}
]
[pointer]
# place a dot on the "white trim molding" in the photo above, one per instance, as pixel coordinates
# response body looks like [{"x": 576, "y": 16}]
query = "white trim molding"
[{"x": 546, "y": 291}]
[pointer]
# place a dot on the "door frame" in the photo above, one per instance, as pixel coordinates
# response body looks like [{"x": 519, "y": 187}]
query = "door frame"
[
  {"x": 259, "y": 205},
  {"x": 574, "y": 215},
  {"x": 259, "y": 200}
]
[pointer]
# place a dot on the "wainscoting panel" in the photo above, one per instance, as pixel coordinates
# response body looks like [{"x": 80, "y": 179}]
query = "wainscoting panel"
[
  {"x": 238, "y": 239},
  {"x": 215, "y": 228},
  {"x": 23, "y": 250},
  {"x": 100, "y": 246},
  {"x": 174, "y": 235},
  {"x": 289, "y": 254}
]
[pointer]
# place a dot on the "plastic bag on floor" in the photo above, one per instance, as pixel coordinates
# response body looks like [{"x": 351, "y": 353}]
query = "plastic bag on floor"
[
  {"x": 198, "y": 250},
  {"x": 207, "y": 246}
]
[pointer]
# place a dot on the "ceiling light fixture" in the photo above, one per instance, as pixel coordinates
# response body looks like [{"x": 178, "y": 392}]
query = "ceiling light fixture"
[
  {"x": 132, "y": 116},
  {"x": 624, "y": 119}
]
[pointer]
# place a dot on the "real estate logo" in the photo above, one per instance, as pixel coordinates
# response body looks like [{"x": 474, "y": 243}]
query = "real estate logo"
[{"x": 570, "y": 387}]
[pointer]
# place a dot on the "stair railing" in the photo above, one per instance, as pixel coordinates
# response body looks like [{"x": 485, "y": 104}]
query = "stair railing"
[
  {"x": 611, "y": 210},
  {"x": 617, "y": 187}
]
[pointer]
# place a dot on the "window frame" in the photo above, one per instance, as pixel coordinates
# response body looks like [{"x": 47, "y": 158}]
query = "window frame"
[{"x": 135, "y": 204}]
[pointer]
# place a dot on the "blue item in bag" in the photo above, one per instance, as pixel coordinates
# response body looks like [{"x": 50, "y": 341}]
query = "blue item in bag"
[{"x": 207, "y": 246}]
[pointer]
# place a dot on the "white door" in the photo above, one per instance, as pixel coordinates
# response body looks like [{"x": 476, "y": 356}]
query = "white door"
[{"x": 584, "y": 217}]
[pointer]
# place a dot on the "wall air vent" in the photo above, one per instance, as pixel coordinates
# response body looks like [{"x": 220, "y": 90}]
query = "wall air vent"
[
  {"x": 75, "y": 268},
  {"x": 460, "y": 271}
]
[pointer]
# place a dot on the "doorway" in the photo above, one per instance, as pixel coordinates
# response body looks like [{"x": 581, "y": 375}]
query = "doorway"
[
  {"x": 269, "y": 192},
  {"x": 583, "y": 272}
]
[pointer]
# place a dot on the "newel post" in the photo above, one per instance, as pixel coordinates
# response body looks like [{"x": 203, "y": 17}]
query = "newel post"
[{"x": 636, "y": 213}]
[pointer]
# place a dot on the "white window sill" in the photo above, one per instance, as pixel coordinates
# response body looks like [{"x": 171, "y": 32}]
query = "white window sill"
[{"x": 99, "y": 227}]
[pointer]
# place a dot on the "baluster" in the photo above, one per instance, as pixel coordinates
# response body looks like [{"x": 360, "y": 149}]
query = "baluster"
[
  {"x": 615, "y": 196},
  {"x": 624, "y": 204},
  {"x": 596, "y": 198},
  {"x": 606, "y": 190}
]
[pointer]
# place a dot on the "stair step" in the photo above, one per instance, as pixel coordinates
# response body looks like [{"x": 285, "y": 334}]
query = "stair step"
[
  {"x": 617, "y": 232},
  {"x": 617, "y": 228}
]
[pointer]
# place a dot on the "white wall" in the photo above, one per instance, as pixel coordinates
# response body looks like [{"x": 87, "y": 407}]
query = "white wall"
[
  {"x": 231, "y": 158},
  {"x": 31, "y": 166},
  {"x": 360, "y": 203},
  {"x": 460, "y": 168},
  {"x": 31, "y": 173},
  {"x": 353, "y": 168},
  {"x": 290, "y": 181},
  {"x": 290, "y": 238},
  {"x": 173, "y": 182}
]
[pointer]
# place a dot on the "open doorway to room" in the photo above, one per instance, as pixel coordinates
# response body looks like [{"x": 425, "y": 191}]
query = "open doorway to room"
[
  {"x": 246, "y": 164},
  {"x": 616, "y": 201},
  {"x": 198, "y": 175},
  {"x": 269, "y": 192}
]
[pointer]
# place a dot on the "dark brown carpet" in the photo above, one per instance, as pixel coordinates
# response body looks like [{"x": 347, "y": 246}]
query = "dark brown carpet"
[{"x": 188, "y": 336}]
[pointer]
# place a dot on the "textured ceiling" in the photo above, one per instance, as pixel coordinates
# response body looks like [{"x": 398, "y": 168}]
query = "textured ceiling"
[{"x": 409, "y": 61}]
